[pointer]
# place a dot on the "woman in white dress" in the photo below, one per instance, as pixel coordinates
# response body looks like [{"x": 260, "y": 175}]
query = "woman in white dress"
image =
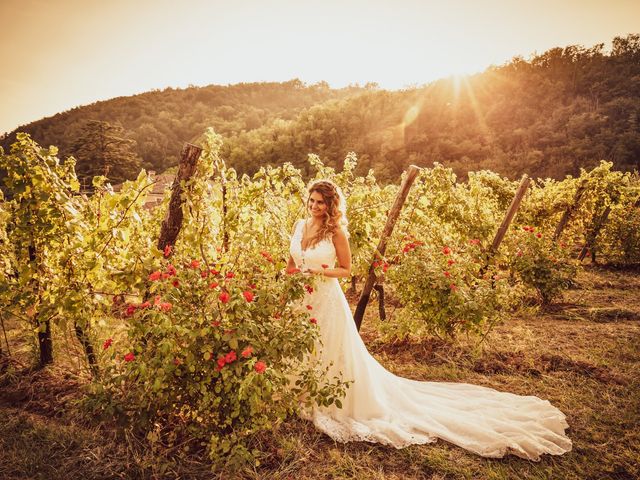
[{"x": 384, "y": 408}]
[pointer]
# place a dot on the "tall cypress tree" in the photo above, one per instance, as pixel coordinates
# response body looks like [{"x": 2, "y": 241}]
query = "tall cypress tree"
[{"x": 103, "y": 149}]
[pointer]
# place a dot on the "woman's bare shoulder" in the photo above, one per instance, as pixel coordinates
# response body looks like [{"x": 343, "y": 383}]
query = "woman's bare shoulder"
[{"x": 340, "y": 235}]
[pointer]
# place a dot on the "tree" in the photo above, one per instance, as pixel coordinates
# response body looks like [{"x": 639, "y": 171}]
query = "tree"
[{"x": 103, "y": 149}]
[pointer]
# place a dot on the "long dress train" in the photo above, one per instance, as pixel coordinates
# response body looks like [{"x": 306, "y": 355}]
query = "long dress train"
[{"x": 384, "y": 408}]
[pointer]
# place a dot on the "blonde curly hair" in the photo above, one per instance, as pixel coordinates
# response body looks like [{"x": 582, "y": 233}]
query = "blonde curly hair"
[{"x": 336, "y": 213}]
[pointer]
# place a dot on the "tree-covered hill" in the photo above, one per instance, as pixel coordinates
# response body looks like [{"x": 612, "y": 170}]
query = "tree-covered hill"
[
  {"x": 159, "y": 122},
  {"x": 547, "y": 116}
]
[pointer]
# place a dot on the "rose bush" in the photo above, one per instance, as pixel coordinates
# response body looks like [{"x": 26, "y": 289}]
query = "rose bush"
[
  {"x": 541, "y": 263},
  {"x": 444, "y": 290},
  {"x": 221, "y": 356}
]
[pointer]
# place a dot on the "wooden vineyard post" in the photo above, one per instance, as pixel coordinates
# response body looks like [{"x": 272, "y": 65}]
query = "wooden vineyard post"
[
  {"x": 45, "y": 343},
  {"x": 172, "y": 222},
  {"x": 589, "y": 244},
  {"x": 87, "y": 346},
  {"x": 409, "y": 178},
  {"x": 381, "y": 312},
  {"x": 569, "y": 211},
  {"x": 513, "y": 208}
]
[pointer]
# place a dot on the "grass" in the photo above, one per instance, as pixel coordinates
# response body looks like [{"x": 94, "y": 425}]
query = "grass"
[{"x": 583, "y": 355}]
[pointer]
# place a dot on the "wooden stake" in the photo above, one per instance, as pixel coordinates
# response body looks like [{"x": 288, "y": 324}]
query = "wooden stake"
[
  {"x": 569, "y": 211},
  {"x": 513, "y": 208},
  {"x": 172, "y": 222},
  {"x": 381, "y": 311},
  {"x": 589, "y": 244},
  {"x": 410, "y": 176}
]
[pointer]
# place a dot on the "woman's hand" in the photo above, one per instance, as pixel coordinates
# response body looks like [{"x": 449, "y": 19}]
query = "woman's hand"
[{"x": 314, "y": 271}]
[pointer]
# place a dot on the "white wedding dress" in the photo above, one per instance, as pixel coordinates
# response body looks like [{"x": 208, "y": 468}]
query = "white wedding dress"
[{"x": 384, "y": 408}]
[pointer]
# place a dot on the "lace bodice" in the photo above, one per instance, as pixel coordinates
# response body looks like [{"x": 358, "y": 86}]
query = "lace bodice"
[{"x": 322, "y": 253}]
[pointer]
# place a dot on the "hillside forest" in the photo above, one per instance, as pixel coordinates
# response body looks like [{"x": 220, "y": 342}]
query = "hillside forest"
[{"x": 547, "y": 116}]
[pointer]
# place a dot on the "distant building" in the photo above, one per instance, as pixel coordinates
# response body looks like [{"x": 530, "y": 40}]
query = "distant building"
[{"x": 155, "y": 196}]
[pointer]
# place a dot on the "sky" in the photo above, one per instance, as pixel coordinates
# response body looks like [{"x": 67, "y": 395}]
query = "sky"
[{"x": 60, "y": 54}]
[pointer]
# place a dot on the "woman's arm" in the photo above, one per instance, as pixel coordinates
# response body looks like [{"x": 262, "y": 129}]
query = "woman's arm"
[{"x": 343, "y": 254}]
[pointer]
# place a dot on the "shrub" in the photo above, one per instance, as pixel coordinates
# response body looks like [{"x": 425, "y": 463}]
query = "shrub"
[{"x": 218, "y": 353}]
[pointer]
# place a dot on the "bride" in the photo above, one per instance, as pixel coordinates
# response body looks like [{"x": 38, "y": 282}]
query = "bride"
[{"x": 381, "y": 407}]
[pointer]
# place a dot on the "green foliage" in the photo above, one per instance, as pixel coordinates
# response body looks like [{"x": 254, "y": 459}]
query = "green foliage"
[
  {"x": 541, "y": 263},
  {"x": 621, "y": 238},
  {"x": 39, "y": 217},
  {"x": 446, "y": 290},
  {"x": 219, "y": 353}
]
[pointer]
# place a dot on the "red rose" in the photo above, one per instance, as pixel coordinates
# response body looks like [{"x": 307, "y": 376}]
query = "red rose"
[
  {"x": 155, "y": 275},
  {"x": 230, "y": 275},
  {"x": 177, "y": 361},
  {"x": 215, "y": 323},
  {"x": 131, "y": 309},
  {"x": 129, "y": 357},
  {"x": 167, "y": 250},
  {"x": 204, "y": 274},
  {"x": 292, "y": 270},
  {"x": 447, "y": 274},
  {"x": 213, "y": 271},
  {"x": 171, "y": 270},
  {"x": 176, "y": 283},
  {"x": 221, "y": 363},
  {"x": 267, "y": 255},
  {"x": 324, "y": 265},
  {"x": 450, "y": 262},
  {"x": 213, "y": 285},
  {"x": 230, "y": 357},
  {"x": 313, "y": 320},
  {"x": 107, "y": 343},
  {"x": 260, "y": 367},
  {"x": 246, "y": 353},
  {"x": 446, "y": 250},
  {"x": 194, "y": 264},
  {"x": 146, "y": 304},
  {"x": 539, "y": 235},
  {"x": 248, "y": 295},
  {"x": 165, "y": 306},
  {"x": 385, "y": 267},
  {"x": 253, "y": 286},
  {"x": 308, "y": 288},
  {"x": 453, "y": 287},
  {"x": 309, "y": 307},
  {"x": 223, "y": 297}
]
